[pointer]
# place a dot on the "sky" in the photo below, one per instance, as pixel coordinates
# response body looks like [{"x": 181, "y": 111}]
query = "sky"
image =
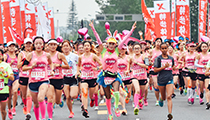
[{"x": 86, "y": 9}]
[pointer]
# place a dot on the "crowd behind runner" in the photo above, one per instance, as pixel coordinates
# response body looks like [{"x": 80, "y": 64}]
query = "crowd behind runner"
[{"x": 42, "y": 72}]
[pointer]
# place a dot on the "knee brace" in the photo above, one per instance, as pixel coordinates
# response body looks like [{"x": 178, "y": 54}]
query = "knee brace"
[
  {"x": 156, "y": 89},
  {"x": 85, "y": 92}
]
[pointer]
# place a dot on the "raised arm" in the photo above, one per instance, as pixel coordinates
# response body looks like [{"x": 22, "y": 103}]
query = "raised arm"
[{"x": 127, "y": 36}]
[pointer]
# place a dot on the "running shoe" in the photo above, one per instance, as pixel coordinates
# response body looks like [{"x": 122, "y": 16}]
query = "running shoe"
[
  {"x": 170, "y": 117},
  {"x": 78, "y": 97},
  {"x": 207, "y": 106},
  {"x": 185, "y": 91},
  {"x": 197, "y": 97},
  {"x": 28, "y": 116},
  {"x": 145, "y": 102},
  {"x": 102, "y": 101},
  {"x": 24, "y": 110},
  {"x": 161, "y": 103},
  {"x": 192, "y": 100},
  {"x": 189, "y": 101},
  {"x": 92, "y": 102},
  {"x": 96, "y": 108},
  {"x": 140, "y": 104},
  {"x": 181, "y": 91},
  {"x": 173, "y": 96},
  {"x": 82, "y": 108},
  {"x": 49, "y": 119},
  {"x": 10, "y": 114},
  {"x": 201, "y": 101},
  {"x": 124, "y": 112},
  {"x": 117, "y": 112},
  {"x": 85, "y": 113},
  {"x": 71, "y": 115},
  {"x": 133, "y": 105},
  {"x": 127, "y": 99},
  {"x": 54, "y": 106},
  {"x": 157, "y": 103},
  {"x": 110, "y": 117},
  {"x": 136, "y": 111},
  {"x": 61, "y": 104},
  {"x": 13, "y": 111}
]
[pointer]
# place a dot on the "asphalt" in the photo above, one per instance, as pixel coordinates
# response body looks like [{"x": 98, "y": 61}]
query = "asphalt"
[{"x": 181, "y": 111}]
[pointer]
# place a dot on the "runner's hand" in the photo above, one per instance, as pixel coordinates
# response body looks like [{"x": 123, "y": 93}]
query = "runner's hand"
[
  {"x": 33, "y": 65},
  {"x": 126, "y": 72},
  {"x": 52, "y": 73},
  {"x": 166, "y": 65},
  {"x": 76, "y": 75}
]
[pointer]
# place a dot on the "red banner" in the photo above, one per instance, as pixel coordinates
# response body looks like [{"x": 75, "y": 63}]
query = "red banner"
[
  {"x": 202, "y": 18},
  {"x": 15, "y": 16},
  {"x": 173, "y": 18},
  {"x": 6, "y": 20},
  {"x": 1, "y": 28},
  {"x": 162, "y": 19},
  {"x": 147, "y": 18},
  {"x": 51, "y": 18},
  {"x": 183, "y": 18},
  {"x": 208, "y": 32},
  {"x": 148, "y": 34},
  {"x": 30, "y": 20},
  {"x": 23, "y": 20}
]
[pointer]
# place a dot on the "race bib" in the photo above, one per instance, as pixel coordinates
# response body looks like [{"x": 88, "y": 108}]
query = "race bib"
[
  {"x": 48, "y": 71},
  {"x": 138, "y": 71},
  {"x": 68, "y": 72},
  {"x": 14, "y": 67},
  {"x": 25, "y": 73},
  {"x": 87, "y": 75},
  {"x": 1, "y": 84},
  {"x": 57, "y": 72},
  {"x": 124, "y": 76},
  {"x": 108, "y": 80},
  {"x": 164, "y": 61},
  {"x": 38, "y": 72}
]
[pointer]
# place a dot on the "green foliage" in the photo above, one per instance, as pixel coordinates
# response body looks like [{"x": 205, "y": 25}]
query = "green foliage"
[{"x": 194, "y": 20}]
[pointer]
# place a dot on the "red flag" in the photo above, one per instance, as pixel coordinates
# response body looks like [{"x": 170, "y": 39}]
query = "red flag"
[
  {"x": 1, "y": 29},
  {"x": 202, "y": 18},
  {"x": 183, "y": 18},
  {"x": 147, "y": 18},
  {"x": 6, "y": 20},
  {"x": 16, "y": 36},
  {"x": 23, "y": 20},
  {"x": 173, "y": 10},
  {"x": 162, "y": 19},
  {"x": 51, "y": 17}
]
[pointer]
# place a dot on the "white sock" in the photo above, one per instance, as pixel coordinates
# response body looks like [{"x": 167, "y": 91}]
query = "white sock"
[{"x": 188, "y": 92}]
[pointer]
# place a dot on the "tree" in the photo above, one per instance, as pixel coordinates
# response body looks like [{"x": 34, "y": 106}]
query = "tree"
[
  {"x": 194, "y": 20},
  {"x": 72, "y": 19}
]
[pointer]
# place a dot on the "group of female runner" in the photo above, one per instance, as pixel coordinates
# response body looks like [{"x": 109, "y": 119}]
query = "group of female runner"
[{"x": 118, "y": 68}]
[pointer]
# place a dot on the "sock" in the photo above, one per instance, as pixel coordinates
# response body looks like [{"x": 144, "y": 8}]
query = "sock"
[
  {"x": 117, "y": 98},
  {"x": 96, "y": 99},
  {"x": 36, "y": 112},
  {"x": 49, "y": 109},
  {"x": 42, "y": 107},
  {"x": 136, "y": 99},
  {"x": 29, "y": 104},
  {"x": 188, "y": 92},
  {"x": 24, "y": 101},
  {"x": 193, "y": 92},
  {"x": 108, "y": 105}
]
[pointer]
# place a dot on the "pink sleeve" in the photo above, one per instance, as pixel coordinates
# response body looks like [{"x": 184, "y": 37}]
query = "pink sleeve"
[
  {"x": 96, "y": 35},
  {"x": 125, "y": 39}
]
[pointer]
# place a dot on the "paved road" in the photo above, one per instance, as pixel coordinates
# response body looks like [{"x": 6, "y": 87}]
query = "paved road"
[{"x": 181, "y": 111}]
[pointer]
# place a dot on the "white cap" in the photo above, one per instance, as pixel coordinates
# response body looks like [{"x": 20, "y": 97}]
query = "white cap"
[
  {"x": 10, "y": 43},
  {"x": 52, "y": 41},
  {"x": 28, "y": 40}
]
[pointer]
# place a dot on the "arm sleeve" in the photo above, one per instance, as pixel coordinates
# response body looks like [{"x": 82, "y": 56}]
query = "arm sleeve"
[
  {"x": 157, "y": 63},
  {"x": 208, "y": 64},
  {"x": 96, "y": 35},
  {"x": 197, "y": 65},
  {"x": 9, "y": 70},
  {"x": 172, "y": 62},
  {"x": 125, "y": 39}
]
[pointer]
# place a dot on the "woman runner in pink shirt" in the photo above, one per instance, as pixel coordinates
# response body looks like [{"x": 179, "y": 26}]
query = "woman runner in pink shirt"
[{"x": 37, "y": 63}]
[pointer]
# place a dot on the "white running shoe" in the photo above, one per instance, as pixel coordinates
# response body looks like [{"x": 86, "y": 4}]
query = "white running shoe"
[{"x": 96, "y": 108}]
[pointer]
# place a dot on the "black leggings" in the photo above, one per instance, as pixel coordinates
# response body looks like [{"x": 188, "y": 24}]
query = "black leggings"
[{"x": 181, "y": 79}]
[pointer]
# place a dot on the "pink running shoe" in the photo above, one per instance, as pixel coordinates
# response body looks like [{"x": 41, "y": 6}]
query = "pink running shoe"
[
  {"x": 189, "y": 100},
  {"x": 192, "y": 100},
  {"x": 145, "y": 102},
  {"x": 13, "y": 111},
  {"x": 117, "y": 112},
  {"x": 71, "y": 115},
  {"x": 201, "y": 101},
  {"x": 10, "y": 114}
]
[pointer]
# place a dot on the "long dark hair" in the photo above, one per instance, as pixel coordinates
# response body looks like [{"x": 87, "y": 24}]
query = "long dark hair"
[
  {"x": 38, "y": 37},
  {"x": 199, "y": 46}
]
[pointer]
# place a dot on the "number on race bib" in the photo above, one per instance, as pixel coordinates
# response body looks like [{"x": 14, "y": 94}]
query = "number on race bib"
[{"x": 1, "y": 84}]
